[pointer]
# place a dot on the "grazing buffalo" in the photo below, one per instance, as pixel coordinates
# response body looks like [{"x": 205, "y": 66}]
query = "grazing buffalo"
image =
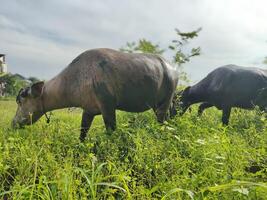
[
  {"x": 100, "y": 81},
  {"x": 226, "y": 87}
]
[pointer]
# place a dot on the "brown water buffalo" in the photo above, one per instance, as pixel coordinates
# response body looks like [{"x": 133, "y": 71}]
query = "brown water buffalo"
[
  {"x": 226, "y": 87},
  {"x": 100, "y": 81}
]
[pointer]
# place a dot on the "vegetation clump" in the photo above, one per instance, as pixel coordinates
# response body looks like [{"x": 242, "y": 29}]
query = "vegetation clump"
[{"x": 185, "y": 158}]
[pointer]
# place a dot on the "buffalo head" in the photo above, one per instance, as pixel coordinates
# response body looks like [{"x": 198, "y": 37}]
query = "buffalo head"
[
  {"x": 261, "y": 99},
  {"x": 30, "y": 107}
]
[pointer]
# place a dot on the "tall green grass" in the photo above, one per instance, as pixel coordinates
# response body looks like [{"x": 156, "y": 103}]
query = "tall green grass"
[{"x": 185, "y": 158}]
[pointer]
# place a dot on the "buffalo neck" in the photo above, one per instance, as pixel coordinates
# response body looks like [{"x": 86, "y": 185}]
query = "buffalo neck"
[
  {"x": 196, "y": 94},
  {"x": 54, "y": 95}
]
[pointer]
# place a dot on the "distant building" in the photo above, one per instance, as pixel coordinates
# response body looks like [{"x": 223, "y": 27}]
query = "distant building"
[
  {"x": 3, "y": 70},
  {"x": 2, "y": 88},
  {"x": 3, "y": 66}
]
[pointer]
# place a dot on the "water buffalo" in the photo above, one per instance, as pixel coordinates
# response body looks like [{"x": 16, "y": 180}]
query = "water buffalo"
[
  {"x": 100, "y": 81},
  {"x": 226, "y": 87}
]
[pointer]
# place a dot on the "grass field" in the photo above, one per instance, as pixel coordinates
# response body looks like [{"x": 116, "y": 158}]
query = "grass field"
[{"x": 186, "y": 158}]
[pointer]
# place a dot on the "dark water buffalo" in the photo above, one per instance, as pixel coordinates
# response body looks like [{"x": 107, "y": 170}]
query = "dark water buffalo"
[
  {"x": 101, "y": 81},
  {"x": 226, "y": 87}
]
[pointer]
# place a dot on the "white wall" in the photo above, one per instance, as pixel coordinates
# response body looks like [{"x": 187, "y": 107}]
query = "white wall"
[{"x": 3, "y": 67}]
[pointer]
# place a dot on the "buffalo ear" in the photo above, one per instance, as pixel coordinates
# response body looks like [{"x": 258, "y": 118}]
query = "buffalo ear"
[
  {"x": 186, "y": 91},
  {"x": 183, "y": 91},
  {"x": 187, "y": 88},
  {"x": 37, "y": 89},
  {"x": 23, "y": 92}
]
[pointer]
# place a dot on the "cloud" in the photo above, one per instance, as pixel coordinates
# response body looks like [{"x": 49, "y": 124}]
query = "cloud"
[{"x": 42, "y": 37}]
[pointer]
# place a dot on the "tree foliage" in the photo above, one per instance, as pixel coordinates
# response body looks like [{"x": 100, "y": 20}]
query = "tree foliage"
[
  {"x": 143, "y": 45},
  {"x": 177, "y": 48},
  {"x": 14, "y": 82},
  {"x": 33, "y": 79}
]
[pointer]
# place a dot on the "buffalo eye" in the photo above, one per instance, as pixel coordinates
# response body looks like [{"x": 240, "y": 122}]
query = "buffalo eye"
[{"x": 24, "y": 93}]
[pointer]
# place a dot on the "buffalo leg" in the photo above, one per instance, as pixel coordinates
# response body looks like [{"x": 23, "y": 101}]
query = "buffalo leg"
[
  {"x": 87, "y": 120},
  {"x": 162, "y": 110},
  {"x": 202, "y": 107},
  {"x": 226, "y": 115},
  {"x": 109, "y": 117},
  {"x": 172, "y": 110},
  {"x": 107, "y": 105}
]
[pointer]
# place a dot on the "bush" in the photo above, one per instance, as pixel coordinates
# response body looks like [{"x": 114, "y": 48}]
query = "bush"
[{"x": 185, "y": 158}]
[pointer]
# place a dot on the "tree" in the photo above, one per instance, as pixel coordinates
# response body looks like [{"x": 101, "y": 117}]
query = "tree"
[
  {"x": 265, "y": 60},
  {"x": 33, "y": 79},
  {"x": 180, "y": 56},
  {"x": 144, "y": 46},
  {"x": 12, "y": 84},
  {"x": 177, "y": 47}
]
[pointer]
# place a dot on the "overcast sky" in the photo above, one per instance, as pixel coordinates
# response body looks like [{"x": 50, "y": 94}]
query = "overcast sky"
[{"x": 40, "y": 38}]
